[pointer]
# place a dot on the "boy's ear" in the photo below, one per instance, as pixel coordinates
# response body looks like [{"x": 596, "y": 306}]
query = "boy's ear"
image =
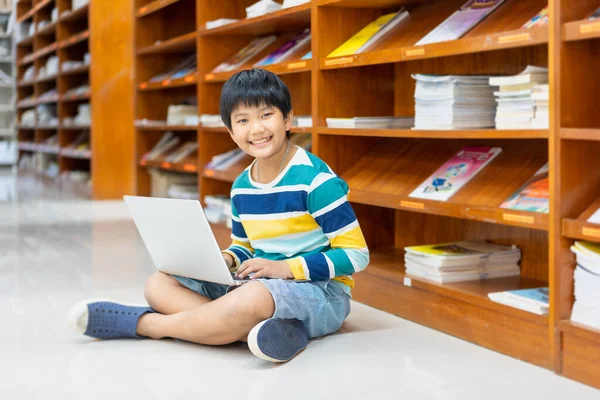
[{"x": 288, "y": 121}]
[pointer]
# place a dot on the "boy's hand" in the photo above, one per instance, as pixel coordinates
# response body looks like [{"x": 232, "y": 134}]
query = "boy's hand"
[
  {"x": 228, "y": 260},
  {"x": 264, "y": 268}
]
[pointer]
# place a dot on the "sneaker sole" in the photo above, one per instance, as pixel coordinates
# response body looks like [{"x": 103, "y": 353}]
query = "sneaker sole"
[{"x": 253, "y": 346}]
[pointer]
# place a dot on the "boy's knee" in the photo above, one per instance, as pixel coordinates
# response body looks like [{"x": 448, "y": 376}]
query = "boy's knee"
[
  {"x": 253, "y": 301},
  {"x": 156, "y": 284}
]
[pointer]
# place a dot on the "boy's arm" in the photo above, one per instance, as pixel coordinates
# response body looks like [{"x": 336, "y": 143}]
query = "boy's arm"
[
  {"x": 328, "y": 204},
  {"x": 240, "y": 249}
]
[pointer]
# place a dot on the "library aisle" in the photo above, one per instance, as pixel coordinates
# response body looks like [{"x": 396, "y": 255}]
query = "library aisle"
[{"x": 57, "y": 249}]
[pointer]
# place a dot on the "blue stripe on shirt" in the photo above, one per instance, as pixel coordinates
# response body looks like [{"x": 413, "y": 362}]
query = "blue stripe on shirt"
[
  {"x": 336, "y": 219},
  {"x": 270, "y": 203}
]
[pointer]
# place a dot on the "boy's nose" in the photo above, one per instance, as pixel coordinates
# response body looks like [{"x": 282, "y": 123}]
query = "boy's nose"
[{"x": 257, "y": 127}]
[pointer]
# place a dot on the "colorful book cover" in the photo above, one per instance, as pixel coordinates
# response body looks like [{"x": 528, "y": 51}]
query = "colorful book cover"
[
  {"x": 538, "y": 295},
  {"x": 458, "y": 249},
  {"x": 455, "y": 173},
  {"x": 245, "y": 54},
  {"x": 351, "y": 45},
  {"x": 595, "y": 14},
  {"x": 533, "y": 195},
  {"x": 462, "y": 21},
  {"x": 307, "y": 56},
  {"x": 287, "y": 50},
  {"x": 540, "y": 19}
]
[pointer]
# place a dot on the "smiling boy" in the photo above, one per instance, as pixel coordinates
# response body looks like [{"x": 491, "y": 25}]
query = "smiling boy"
[{"x": 293, "y": 230}]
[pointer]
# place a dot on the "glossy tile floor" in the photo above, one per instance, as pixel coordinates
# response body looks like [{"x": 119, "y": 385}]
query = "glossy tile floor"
[{"x": 56, "y": 249}]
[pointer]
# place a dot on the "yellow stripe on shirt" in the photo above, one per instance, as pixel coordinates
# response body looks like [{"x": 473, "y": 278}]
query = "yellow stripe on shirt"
[
  {"x": 268, "y": 229},
  {"x": 351, "y": 239}
]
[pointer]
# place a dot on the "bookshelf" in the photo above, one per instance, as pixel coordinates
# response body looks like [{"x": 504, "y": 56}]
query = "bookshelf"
[
  {"x": 383, "y": 166},
  {"x": 63, "y": 37}
]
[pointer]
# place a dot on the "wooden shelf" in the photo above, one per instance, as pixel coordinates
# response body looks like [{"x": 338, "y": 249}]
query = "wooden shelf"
[
  {"x": 153, "y": 7},
  {"x": 75, "y": 71},
  {"x": 35, "y": 9},
  {"x": 38, "y": 54},
  {"x": 286, "y": 20},
  {"x": 47, "y": 79},
  {"x": 169, "y": 83},
  {"x": 26, "y": 83},
  {"x": 582, "y": 331},
  {"x": 78, "y": 155},
  {"x": 291, "y": 67},
  {"x": 189, "y": 168},
  {"x": 580, "y": 228},
  {"x": 365, "y": 3},
  {"x": 180, "y": 128},
  {"x": 438, "y": 134},
  {"x": 581, "y": 30},
  {"x": 47, "y": 30},
  {"x": 496, "y": 41},
  {"x": 386, "y": 176},
  {"x": 75, "y": 127},
  {"x": 181, "y": 44},
  {"x": 75, "y": 39},
  {"x": 580, "y": 134},
  {"x": 230, "y": 174},
  {"x": 28, "y": 41},
  {"x": 74, "y": 15},
  {"x": 75, "y": 97},
  {"x": 47, "y": 127},
  {"x": 223, "y": 129}
]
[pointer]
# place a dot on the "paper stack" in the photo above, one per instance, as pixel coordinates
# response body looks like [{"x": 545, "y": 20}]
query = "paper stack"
[
  {"x": 218, "y": 209},
  {"x": 302, "y": 121},
  {"x": 261, "y": 8},
  {"x": 371, "y": 122},
  {"x": 222, "y": 162},
  {"x": 453, "y": 102},
  {"x": 532, "y": 300},
  {"x": 293, "y": 3},
  {"x": 211, "y": 120},
  {"x": 586, "y": 309},
  {"x": 522, "y": 99},
  {"x": 462, "y": 261},
  {"x": 220, "y": 22},
  {"x": 183, "y": 191}
]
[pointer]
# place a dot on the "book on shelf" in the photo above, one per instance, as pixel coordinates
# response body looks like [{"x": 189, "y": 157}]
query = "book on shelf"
[
  {"x": 586, "y": 308},
  {"x": 262, "y": 7},
  {"x": 595, "y": 218},
  {"x": 302, "y": 121},
  {"x": 212, "y": 120},
  {"x": 287, "y": 50},
  {"x": 79, "y": 147},
  {"x": 307, "y": 56},
  {"x": 371, "y": 122},
  {"x": 245, "y": 54},
  {"x": 167, "y": 142},
  {"x": 218, "y": 209},
  {"x": 185, "y": 67},
  {"x": 220, "y": 22},
  {"x": 182, "y": 152},
  {"x": 183, "y": 191},
  {"x": 370, "y": 34},
  {"x": 182, "y": 114},
  {"x": 462, "y": 261},
  {"x": 293, "y": 3},
  {"x": 455, "y": 173},
  {"x": 461, "y": 21},
  {"x": 224, "y": 161},
  {"x": 534, "y": 300},
  {"x": 595, "y": 14},
  {"x": 533, "y": 196},
  {"x": 523, "y": 99},
  {"x": 540, "y": 19},
  {"x": 453, "y": 102}
]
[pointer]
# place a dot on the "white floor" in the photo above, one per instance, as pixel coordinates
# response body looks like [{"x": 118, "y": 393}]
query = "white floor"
[{"x": 55, "y": 251}]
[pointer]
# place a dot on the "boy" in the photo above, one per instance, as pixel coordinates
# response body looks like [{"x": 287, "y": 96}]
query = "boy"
[{"x": 292, "y": 223}]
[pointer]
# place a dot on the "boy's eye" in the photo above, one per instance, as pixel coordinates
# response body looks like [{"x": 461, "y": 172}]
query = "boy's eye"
[
  {"x": 267, "y": 115},
  {"x": 242, "y": 121}
]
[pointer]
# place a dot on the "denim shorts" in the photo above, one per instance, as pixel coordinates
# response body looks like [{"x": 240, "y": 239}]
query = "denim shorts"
[{"x": 321, "y": 305}]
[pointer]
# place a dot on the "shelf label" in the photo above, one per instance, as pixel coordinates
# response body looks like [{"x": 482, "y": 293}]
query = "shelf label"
[
  {"x": 143, "y": 10},
  {"x": 189, "y": 79},
  {"x": 209, "y": 172},
  {"x": 166, "y": 82},
  {"x": 590, "y": 28},
  {"x": 143, "y": 85},
  {"x": 339, "y": 61},
  {"x": 419, "y": 51},
  {"x": 296, "y": 65},
  {"x": 165, "y": 164},
  {"x": 407, "y": 282},
  {"x": 209, "y": 77},
  {"x": 591, "y": 232},
  {"x": 515, "y": 38},
  {"x": 524, "y": 219},
  {"x": 189, "y": 167},
  {"x": 412, "y": 204}
]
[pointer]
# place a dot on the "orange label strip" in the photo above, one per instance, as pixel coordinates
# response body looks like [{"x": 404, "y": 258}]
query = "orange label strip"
[
  {"x": 590, "y": 28},
  {"x": 591, "y": 232},
  {"x": 518, "y": 37},
  {"x": 339, "y": 61},
  {"x": 414, "y": 52},
  {"x": 296, "y": 65},
  {"x": 525, "y": 219},
  {"x": 412, "y": 204},
  {"x": 209, "y": 77}
]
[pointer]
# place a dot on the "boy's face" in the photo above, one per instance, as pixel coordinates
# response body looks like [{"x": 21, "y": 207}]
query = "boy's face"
[{"x": 259, "y": 131}]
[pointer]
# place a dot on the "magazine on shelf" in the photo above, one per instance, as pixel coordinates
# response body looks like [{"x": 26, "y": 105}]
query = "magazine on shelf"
[
  {"x": 455, "y": 173},
  {"x": 245, "y": 54},
  {"x": 540, "y": 19},
  {"x": 532, "y": 300},
  {"x": 462, "y": 21},
  {"x": 533, "y": 195},
  {"x": 456, "y": 254},
  {"x": 287, "y": 50}
]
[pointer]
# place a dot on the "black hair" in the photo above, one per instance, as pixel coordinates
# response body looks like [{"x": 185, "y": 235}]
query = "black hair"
[{"x": 253, "y": 88}]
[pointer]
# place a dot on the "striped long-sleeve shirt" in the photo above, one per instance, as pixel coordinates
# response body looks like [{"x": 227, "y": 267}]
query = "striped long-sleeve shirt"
[{"x": 302, "y": 217}]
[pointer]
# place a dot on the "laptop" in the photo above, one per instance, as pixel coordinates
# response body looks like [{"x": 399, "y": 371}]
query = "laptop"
[{"x": 179, "y": 239}]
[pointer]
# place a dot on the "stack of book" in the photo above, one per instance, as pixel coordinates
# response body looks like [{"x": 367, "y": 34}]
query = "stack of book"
[
  {"x": 293, "y": 3},
  {"x": 462, "y": 261},
  {"x": 182, "y": 114},
  {"x": 262, "y": 7},
  {"x": 218, "y": 209},
  {"x": 224, "y": 161},
  {"x": 211, "y": 121},
  {"x": 371, "y": 122},
  {"x": 522, "y": 99},
  {"x": 183, "y": 191},
  {"x": 531, "y": 300},
  {"x": 453, "y": 102},
  {"x": 220, "y": 22},
  {"x": 586, "y": 309},
  {"x": 302, "y": 121}
]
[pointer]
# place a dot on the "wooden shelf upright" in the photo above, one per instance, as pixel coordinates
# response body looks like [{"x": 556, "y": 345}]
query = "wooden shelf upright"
[
  {"x": 383, "y": 166},
  {"x": 62, "y": 37}
]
